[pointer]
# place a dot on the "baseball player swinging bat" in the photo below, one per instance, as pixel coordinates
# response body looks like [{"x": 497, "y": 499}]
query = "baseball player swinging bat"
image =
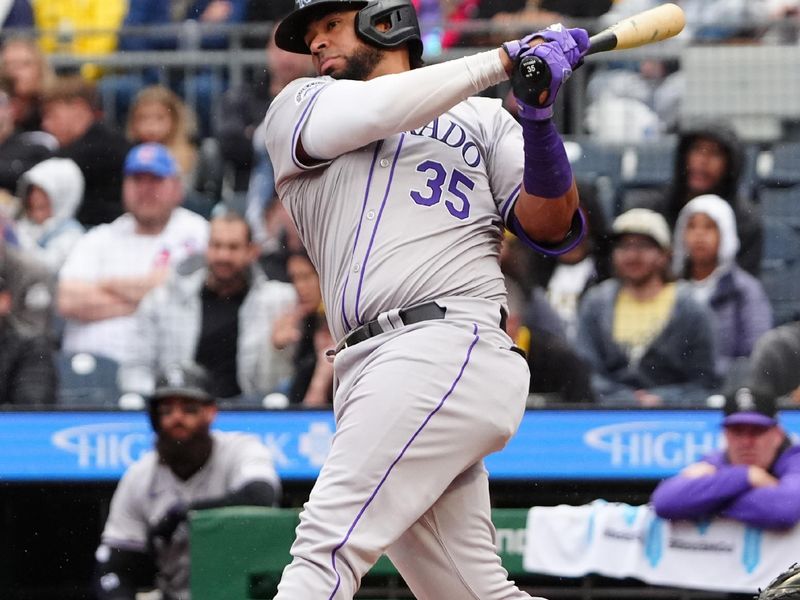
[{"x": 532, "y": 76}]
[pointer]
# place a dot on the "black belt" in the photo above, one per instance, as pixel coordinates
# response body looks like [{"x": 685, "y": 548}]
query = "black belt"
[{"x": 423, "y": 312}]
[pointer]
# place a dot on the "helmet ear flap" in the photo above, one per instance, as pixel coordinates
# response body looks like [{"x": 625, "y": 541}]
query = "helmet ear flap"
[{"x": 400, "y": 16}]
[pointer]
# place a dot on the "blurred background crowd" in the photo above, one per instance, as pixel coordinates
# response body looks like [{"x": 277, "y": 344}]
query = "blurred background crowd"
[{"x": 139, "y": 225}]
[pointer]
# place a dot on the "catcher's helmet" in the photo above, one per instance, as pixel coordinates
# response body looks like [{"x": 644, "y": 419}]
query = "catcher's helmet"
[
  {"x": 785, "y": 586},
  {"x": 404, "y": 27},
  {"x": 188, "y": 380}
]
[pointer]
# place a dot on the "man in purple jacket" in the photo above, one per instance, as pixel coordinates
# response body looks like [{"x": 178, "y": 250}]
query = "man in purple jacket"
[{"x": 756, "y": 479}]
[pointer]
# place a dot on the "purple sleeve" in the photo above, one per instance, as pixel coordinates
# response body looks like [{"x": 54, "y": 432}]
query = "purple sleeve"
[
  {"x": 682, "y": 497},
  {"x": 771, "y": 507}
]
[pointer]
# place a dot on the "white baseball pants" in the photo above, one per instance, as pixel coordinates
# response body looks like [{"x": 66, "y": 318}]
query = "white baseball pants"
[{"x": 417, "y": 409}]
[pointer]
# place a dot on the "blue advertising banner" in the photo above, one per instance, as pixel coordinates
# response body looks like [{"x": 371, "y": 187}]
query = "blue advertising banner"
[{"x": 551, "y": 444}]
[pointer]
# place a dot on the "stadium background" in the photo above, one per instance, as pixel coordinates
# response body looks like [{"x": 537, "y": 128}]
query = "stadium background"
[{"x": 49, "y": 529}]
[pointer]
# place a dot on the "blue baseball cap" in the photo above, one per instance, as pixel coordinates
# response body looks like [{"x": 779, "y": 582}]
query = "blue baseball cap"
[
  {"x": 748, "y": 406},
  {"x": 151, "y": 158}
]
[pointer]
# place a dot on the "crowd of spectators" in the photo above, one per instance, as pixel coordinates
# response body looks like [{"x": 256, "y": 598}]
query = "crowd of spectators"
[{"x": 113, "y": 242}]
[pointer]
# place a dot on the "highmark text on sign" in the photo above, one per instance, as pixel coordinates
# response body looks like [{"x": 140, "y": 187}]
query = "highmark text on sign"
[{"x": 551, "y": 444}]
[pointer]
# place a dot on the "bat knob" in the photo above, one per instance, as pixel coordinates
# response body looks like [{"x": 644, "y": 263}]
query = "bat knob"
[{"x": 531, "y": 77}]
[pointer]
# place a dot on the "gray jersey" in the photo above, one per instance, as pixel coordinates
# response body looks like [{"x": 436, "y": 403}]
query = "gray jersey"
[
  {"x": 149, "y": 488},
  {"x": 404, "y": 220}
]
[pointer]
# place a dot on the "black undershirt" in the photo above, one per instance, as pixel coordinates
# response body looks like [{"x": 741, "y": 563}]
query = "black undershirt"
[{"x": 217, "y": 345}]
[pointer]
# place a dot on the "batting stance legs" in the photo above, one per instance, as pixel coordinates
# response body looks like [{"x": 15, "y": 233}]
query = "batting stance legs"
[{"x": 416, "y": 413}]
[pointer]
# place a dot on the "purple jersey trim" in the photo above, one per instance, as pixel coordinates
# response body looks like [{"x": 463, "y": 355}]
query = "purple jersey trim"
[
  {"x": 397, "y": 460},
  {"x": 296, "y": 133},
  {"x": 377, "y": 224},
  {"x": 378, "y": 147}
]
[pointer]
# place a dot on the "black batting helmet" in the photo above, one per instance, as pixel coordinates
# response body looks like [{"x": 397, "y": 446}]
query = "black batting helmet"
[
  {"x": 187, "y": 380},
  {"x": 403, "y": 29}
]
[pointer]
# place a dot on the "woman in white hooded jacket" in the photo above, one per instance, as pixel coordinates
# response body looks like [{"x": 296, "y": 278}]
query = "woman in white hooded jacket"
[
  {"x": 704, "y": 253},
  {"x": 50, "y": 193}
]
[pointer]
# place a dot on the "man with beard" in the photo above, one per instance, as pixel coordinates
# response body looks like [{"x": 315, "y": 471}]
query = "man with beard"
[
  {"x": 401, "y": 181},
  {"x": 218, "y": 312},
  {"x": 145, "y": 542},
  {"x": 648, "y": 341}
]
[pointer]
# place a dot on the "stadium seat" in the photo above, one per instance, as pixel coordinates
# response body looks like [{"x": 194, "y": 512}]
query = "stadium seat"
[
  {"x": 649, "y": 164},
  {"x": 781, "y": 204},
  {"x": 780, "y": 268},
  {"x": 598, "y": 162},
  {"x": 779, "y": 166},
  {"x": 87, "y": 381},
  {"x": 781, "y": 244},
  {"x": 782, "y": 286}
]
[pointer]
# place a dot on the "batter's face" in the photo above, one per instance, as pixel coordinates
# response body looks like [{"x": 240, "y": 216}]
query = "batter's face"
[
  {"x": 337, "y": 51},
  {"x": 752, "y": 444},
  {"x": 182, "y": 419}
]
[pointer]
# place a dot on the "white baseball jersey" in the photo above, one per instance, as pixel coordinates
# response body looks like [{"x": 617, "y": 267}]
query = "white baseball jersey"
[
  {"x": 149, "y": 488},
  {"x": 386, "y": 225},
  {"x": 412, "y": 218}
]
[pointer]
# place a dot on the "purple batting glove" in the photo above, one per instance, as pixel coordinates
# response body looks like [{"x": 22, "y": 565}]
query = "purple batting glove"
[
  {"x": 562, "y": 52},
  {"x": 573, "y": 42}
]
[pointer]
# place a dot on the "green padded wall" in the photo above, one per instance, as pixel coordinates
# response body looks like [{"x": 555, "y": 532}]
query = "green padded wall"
[{"x": 238, "y": 553}]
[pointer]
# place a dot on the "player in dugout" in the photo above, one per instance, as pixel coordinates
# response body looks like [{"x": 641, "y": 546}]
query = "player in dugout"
[
  {"x": 400, "y": 184},
  {"x": 145, "y": 542}
]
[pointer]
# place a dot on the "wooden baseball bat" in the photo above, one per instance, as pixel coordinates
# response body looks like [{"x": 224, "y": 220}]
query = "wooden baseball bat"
[
  {"x": 646, "y": 27},
  {"x": 531, "y": 75}
]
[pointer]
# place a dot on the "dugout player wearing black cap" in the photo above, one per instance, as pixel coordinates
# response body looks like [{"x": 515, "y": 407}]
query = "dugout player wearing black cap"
[
  {"x": 755, "y": 479},
  {"x": 145, "y": 542}
]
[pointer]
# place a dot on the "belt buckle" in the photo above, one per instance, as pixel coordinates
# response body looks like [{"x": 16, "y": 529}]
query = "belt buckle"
[{"x": 345, "y": 343}]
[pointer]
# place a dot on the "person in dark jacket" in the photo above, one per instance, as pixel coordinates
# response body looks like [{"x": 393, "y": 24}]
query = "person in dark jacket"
[
  {"x": 710, "y": 160},
  {"x": 756, "y": 479},
  {"x": 70, "y": 113},
  {"x": 647, "y": 339},
  {"x": 27, "y": 371},
  {"x": 704, "y": 253}
]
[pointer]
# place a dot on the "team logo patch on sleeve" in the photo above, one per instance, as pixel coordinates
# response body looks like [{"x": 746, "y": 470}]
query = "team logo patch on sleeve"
[{"x": 306, "y": 89}]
